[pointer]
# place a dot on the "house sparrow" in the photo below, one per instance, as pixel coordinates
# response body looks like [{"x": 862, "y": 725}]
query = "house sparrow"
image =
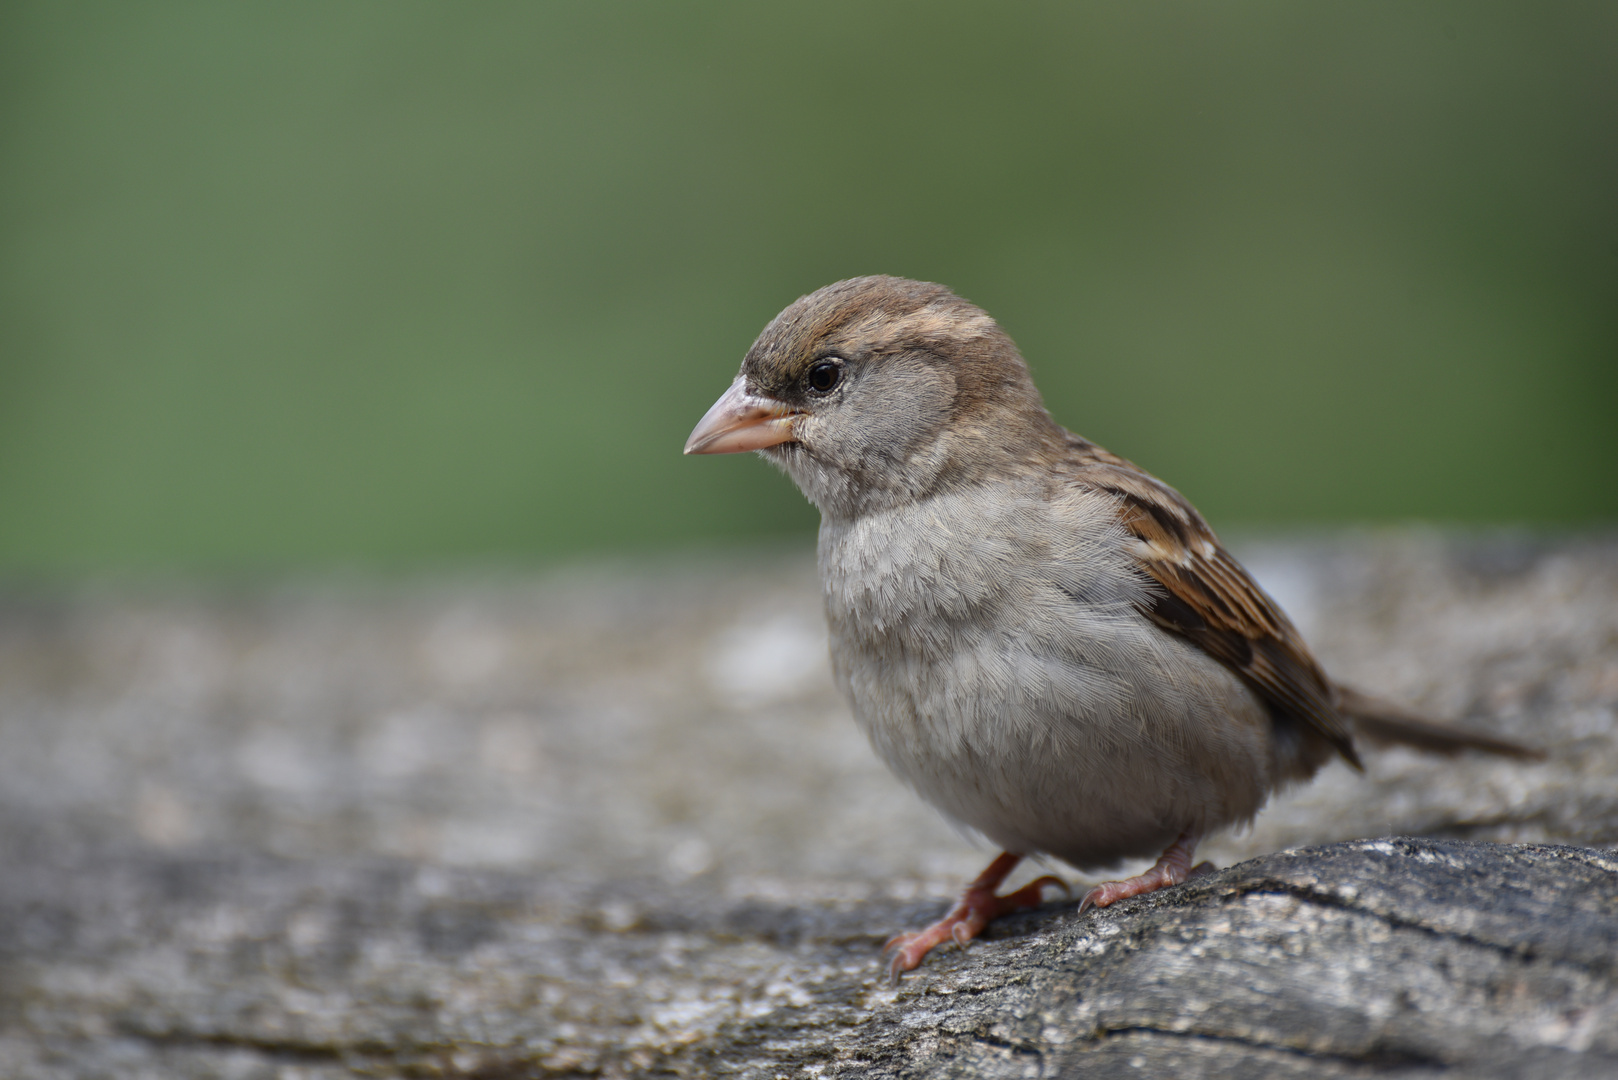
[{"x": 1047, "y": 642}]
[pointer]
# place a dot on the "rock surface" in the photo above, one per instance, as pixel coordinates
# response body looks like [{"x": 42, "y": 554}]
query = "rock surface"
[{"x": 615, "y": 822}]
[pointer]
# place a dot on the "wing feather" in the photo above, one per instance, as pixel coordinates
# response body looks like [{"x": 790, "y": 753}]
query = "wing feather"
[{"x": 1207, "y": 597}]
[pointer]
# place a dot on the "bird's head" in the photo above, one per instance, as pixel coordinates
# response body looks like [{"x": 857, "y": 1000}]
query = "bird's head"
[{"x": 878, "y": 390}]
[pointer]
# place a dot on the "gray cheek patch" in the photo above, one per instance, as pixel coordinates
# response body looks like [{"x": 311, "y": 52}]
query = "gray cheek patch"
[{"x": 896, "y": 412}]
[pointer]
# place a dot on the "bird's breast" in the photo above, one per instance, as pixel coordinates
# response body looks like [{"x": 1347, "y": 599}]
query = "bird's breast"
[
  {"x": 991, "y": 649},
  {"x": 964, "y": 620}
]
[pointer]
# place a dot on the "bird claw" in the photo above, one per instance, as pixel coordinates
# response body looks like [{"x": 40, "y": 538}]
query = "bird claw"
[
  {"x": 1171, "y": 868},
  {"x": 906, "y": 954},
  {"x": 895, "y": 969},
  {"x": 977, "y": 907}
]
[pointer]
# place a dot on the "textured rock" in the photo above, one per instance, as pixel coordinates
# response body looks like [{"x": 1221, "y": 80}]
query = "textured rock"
[
  {"x": 615, "y": 822},
  {"x": 1410, "y": 956}
]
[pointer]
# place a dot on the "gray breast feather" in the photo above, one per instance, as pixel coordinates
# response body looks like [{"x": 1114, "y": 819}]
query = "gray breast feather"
[{"x": 992, "y": 652}]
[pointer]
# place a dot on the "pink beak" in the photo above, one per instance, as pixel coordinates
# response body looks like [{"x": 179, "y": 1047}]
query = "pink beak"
[{"x": 740, "y": 421}]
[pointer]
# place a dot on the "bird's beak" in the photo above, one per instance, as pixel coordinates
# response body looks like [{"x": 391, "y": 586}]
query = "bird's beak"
[{"x": 740, "y": 421}]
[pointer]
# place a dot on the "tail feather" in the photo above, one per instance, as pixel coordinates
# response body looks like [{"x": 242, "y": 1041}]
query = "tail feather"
[{"x": 1378, "y": 721}]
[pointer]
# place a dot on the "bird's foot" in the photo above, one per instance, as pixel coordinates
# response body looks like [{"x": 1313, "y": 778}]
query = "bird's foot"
[
  {"x": 1171, "y": 868},
  {"x": 977, "y": 907}
]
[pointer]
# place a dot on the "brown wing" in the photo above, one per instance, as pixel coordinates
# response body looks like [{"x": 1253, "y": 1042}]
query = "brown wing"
[{"x": 1209, "y": 598}]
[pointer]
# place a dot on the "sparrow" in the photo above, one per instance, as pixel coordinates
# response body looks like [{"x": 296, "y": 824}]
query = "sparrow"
[{"x": 1042, "y": 639}]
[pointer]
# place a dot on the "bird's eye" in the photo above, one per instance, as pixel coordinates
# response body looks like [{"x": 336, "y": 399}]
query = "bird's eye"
[{"x": 824, "y": 376}]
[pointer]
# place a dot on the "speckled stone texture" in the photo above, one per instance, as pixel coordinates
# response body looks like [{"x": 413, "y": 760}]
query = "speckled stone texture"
[{"x": 614, "y": 821}]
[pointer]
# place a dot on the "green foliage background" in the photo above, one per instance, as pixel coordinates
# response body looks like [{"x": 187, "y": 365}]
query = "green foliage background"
[{"x": 404, "y": 284}]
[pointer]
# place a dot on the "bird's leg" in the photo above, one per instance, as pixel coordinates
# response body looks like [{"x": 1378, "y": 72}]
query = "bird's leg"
[
  {"x": 966, "y": 920},
  {"x": 1171, "y": 868}
]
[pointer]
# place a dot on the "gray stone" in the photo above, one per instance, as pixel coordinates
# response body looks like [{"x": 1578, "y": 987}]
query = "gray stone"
[
  {"x": 1408, "y": 956},
  {"x": 615, "y": 822}
]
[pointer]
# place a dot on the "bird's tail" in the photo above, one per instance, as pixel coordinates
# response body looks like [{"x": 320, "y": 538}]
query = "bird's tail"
[{"x": 1378, "y": 721}]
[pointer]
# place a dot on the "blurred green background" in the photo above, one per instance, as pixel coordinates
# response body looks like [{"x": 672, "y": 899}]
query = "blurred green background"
[{"x": 405, "y": 284}]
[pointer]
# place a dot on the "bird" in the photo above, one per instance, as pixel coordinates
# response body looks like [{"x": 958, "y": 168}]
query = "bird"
[{"x": 1046, "y": 642}]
